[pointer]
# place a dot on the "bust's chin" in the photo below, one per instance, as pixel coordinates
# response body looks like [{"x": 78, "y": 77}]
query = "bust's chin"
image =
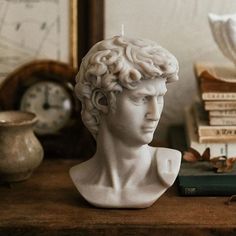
[{"x": 144, "y": 139}]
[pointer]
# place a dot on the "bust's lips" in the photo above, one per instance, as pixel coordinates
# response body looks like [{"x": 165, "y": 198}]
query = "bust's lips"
[{"x": 149, "y": 128}]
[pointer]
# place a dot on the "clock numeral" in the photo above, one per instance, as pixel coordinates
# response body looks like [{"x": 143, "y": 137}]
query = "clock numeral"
[
  {"x": 26, "y": 106},
  {"x": 63, "y": 99},
  {"x": 38, "y": 89},
  {"x": 32, "y": 95},
  {"x": 61, "y": 117},
  {"x": 43, "y": 26},
  {"x": 55, "y": 122},
  {"x": 41, "y": 125}
]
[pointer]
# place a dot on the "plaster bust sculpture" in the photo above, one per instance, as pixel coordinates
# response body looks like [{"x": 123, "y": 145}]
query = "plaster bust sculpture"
[{"x": 121, "y": 84}]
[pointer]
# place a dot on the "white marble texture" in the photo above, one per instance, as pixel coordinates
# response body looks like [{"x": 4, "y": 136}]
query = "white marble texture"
[
  {"x": 121, "y": 85},
  {"x": 94, "y": 182}
]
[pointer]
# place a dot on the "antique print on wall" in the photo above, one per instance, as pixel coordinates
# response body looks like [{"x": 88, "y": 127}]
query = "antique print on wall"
[{"x": 41, "y": 29}]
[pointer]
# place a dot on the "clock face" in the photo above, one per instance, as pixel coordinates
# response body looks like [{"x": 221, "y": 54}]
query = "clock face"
[{"x": 52, "y": 104}]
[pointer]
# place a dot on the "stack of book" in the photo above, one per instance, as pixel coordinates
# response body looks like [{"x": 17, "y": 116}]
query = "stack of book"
[
  {"x": 211, "y": 123},
  {"x": 216, "y": 116},
  {"x": 200, "y": 135}
]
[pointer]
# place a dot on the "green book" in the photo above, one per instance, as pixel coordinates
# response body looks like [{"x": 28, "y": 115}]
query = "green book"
[{"x": 200, "y": 179}]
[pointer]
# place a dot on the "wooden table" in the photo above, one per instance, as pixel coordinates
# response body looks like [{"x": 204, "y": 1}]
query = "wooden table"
[{"x": 49, "y": 204}]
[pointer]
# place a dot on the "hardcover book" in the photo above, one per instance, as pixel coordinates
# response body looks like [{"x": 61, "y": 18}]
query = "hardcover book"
[
  {"x": 222, "y": 120},
  {"x": 216, "y": 82},
  {"x": 208, "y": 133},
  {"x": 192, "y": 140},
  {"x": 223, "y": 113},
  {"x": 218, "y": 96},
  {"x": 213, "y": 73},
  {"x": 219, "y": 105},
  {"x": 200, "y": 179},
  {"x": 222, "y": 117}
]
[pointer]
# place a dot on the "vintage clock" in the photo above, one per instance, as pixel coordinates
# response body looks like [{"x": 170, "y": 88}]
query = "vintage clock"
[
  {"x": 51, "y": 102},
  {"x": 45, "y": 87}
]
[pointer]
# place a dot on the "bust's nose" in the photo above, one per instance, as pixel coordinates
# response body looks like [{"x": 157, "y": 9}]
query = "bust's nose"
[{"x": 154, "y": 109}]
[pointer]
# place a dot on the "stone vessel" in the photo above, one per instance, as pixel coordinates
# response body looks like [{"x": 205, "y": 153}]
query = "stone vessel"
[{"x": 20, "y": 151}]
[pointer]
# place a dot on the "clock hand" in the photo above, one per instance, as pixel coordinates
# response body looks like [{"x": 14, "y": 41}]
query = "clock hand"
[
  {"x": 46, "y": 94},
  {"x": 46, "y": 105}
]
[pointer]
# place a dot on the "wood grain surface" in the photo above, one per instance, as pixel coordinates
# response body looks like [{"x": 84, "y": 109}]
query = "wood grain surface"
[{"x": 49, "y": 204}]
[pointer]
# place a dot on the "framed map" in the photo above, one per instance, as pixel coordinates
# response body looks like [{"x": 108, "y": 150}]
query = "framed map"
[{"x": 37, "y": 29}]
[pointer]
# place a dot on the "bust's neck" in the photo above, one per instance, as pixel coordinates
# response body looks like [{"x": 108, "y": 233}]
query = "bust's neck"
[{"x": 124, "y": 165}]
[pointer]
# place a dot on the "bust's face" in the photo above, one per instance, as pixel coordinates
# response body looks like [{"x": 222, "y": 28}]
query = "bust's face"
[{"x": 137, "y": 112}]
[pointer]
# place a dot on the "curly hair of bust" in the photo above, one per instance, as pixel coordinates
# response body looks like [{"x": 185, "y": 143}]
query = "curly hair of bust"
[{"x": 117, "y": 63}]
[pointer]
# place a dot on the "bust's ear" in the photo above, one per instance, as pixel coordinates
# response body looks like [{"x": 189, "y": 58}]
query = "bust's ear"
[{"x": 99, "y": 100}]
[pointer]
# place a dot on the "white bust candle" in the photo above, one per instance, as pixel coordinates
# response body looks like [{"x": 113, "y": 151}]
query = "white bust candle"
[{"x": 121, "y": 84}]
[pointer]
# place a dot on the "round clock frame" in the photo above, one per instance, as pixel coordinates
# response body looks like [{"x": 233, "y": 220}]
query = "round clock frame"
[
  {"x": 70, "y": 139},
  {"x": 51, "y": 102}
]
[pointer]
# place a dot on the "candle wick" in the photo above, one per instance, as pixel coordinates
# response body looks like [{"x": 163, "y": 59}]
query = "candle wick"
[{"x": 122, "y": 30}]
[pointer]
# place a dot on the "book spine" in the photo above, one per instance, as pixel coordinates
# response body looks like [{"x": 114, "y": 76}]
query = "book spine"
[
  {"x": 216, "y": 149},
  {"x": 222, "y": 120},
  {"x": 219, "y": 105},
  {"x": 218, "y": 96},
  {"x": 217, "y": 131},
  {"x": 207, "y": 133},
  {"x": 217, "y": 87},
  {"x": 224, "y": 113},
  {"x": 207, "y": 190},
  {"x": 217, "y": 139}
]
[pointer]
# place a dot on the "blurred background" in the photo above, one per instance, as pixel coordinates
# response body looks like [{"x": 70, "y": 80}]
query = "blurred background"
[{"x": 181, "y": 26}]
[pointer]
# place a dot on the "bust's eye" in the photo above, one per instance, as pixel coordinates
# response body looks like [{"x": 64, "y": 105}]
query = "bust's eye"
[
  {"x": 141, "y": 99},
  {"x": 145, "y": 98}
]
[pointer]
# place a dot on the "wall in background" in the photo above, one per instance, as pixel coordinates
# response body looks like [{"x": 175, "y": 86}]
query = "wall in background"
[{"x": 182, "y": 27}]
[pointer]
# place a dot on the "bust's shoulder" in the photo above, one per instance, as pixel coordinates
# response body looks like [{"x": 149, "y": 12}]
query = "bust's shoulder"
[
  {"x": 163, "y": 153},
  {"x": 167, "y": 153},
  {"x": 168, "y": 164},
  {"x": 81, "y": 170}
]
